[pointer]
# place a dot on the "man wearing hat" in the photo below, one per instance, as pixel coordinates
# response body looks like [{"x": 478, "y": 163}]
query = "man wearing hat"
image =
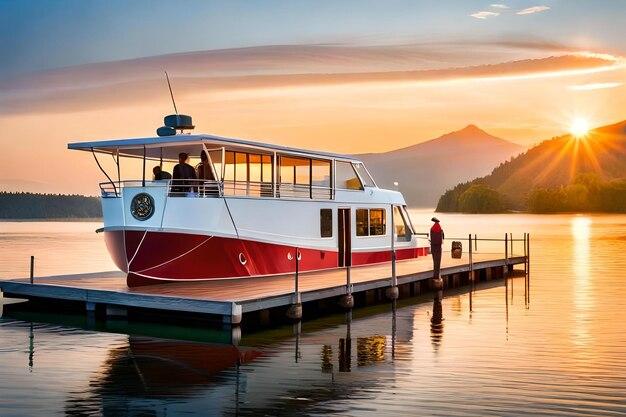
[
  {"x": 436, "y": 240},
  {"x": 183, "y": 171}
]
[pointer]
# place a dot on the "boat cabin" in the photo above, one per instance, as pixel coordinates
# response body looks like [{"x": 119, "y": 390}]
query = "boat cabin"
[{"x": 237, "y": 168}]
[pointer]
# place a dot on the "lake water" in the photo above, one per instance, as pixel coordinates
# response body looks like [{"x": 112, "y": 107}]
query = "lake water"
[{"x": 562, "y": 354}]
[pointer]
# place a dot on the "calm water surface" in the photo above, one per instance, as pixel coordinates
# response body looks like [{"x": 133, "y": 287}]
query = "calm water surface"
[{"x": 563, "y": 354}]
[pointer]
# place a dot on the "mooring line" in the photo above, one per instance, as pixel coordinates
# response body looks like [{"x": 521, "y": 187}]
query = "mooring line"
[
  {"x": 137, "y": 250},
  {"x": 177, "y": 257}
]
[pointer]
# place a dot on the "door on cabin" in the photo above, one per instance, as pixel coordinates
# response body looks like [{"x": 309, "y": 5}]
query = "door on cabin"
[{"x": 344, "y": 237}]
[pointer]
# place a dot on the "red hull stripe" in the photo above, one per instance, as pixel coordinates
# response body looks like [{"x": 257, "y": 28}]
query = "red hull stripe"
[{"x": 155, "y": 256}]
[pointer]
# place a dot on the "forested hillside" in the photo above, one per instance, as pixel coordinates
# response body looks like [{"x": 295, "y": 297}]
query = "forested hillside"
[
  {"x": 48, "y": 206},
  {"x": 560, "y": 174}
]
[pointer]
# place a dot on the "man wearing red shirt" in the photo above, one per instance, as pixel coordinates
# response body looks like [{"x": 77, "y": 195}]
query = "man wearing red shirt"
[{"x": 436, "y": 240}]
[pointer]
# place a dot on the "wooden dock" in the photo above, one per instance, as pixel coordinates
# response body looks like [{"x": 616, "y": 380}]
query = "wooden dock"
[{"x": 232, "y": 299}]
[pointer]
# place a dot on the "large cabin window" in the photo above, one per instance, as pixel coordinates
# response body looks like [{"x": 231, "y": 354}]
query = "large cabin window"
[
  {"x": 371, "y": 222},
  {"x": 305, "y": 177},
  {"x": 321, "y": 182},
  {"x": 247, "y": 174},
  {"x": 294, "y": 176},
  {"x": 346, "y": 177}
]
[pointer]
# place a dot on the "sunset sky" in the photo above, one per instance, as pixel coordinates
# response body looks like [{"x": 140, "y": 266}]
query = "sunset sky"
[{"x": 351, "y": 76}]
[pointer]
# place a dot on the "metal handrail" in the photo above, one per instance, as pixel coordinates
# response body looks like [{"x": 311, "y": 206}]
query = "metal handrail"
[{"x": 210, "y": 188}]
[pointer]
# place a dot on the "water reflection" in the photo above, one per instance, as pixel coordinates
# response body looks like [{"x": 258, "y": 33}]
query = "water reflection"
[
  {"x": 583, "y": 291},
  {"x": 436, "y": 321},
  {"x": 345, "y": 346},
  {"x": 139, "y": 378},
  {"x": 565, "y": 356}
]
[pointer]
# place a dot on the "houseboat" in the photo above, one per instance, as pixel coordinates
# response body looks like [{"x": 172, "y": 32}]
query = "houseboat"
[{"x": 264, "y": 210}]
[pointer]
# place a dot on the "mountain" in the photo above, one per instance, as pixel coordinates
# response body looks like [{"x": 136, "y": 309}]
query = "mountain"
[
  {"x": 425, "y": 170},
  {"x": 560, "y": 174}
]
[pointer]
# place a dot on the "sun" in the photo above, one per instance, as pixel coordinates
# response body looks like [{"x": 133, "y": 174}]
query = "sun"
[{"x": 579, "y": 128}]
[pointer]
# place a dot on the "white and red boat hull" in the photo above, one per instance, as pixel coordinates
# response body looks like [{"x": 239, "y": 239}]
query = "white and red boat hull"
[{"x": 150, "y": 257}]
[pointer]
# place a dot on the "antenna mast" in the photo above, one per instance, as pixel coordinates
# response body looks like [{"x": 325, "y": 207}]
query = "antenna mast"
[{"x": 171, "y": 93}]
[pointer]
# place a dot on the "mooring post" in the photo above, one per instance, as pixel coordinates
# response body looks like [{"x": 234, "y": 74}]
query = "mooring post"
[
  {"x": 528, "y": 272},
  {"x": 32, "y": 269},
  {"x": 511, "y": 239},
  {"x": 347, "y": 300},
  {"x": 506, "y": 250},
  {"x": 294, "y": 311},
  {"x": 526, "y": 269},
  {"x": 393, "y": 292},
  {"x": 475, "y": 242},
  {"x": 471, "y": 260},
  {"x": 525, "y": 255}
]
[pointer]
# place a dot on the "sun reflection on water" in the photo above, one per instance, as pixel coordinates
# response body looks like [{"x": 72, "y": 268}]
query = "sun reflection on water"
[{"x": 583, "y": 290}]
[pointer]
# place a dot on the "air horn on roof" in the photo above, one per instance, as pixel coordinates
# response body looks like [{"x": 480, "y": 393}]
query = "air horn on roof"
[{"x": 174, "y": 122}]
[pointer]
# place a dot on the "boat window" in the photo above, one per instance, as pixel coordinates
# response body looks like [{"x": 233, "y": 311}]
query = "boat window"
[
  {"x": 216, "y": 159},
  {"x": 320, "y": 179},
  {"x": 407, "y": 218},
  {"x": 367, "y": 179},
  {"x": 403, "y": 229},
  {"x": 229, "y": 172},
  {"x": 346, "y": 177},
  {"x": 241, "y": 173},
  {"x": 377, "y": 222},
  {"x": 371, "y": 222},
  {"x": 266, "y": 168},
  {"x": 295, "y": 176},
  {"x": 254, "y": 167},
  {"x": 362, "y": 222},
  {"x": 326, "y": 222}
]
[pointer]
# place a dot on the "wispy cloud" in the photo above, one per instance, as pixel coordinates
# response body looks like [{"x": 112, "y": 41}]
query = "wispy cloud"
[
  {"x": 534, "y": 9},
  {"x": 108, "y": 85},
  {"x": 484, "y": 14},
  {"x": 594, "y": 86},
  {"x": 499, "y": 6}
]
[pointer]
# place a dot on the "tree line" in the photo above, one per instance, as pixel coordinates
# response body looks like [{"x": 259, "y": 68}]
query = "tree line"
[
  {"x": 15, "y": 205},
  {"x": 587, "y": 192}
]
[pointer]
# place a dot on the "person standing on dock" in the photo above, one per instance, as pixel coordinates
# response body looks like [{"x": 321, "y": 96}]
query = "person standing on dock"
[{"x": 436, "y": 240}]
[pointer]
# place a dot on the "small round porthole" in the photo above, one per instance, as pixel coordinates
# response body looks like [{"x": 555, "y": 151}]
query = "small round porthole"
[
  {"x": 242, "y": 259},
  {"x": 142, "y": 206}
]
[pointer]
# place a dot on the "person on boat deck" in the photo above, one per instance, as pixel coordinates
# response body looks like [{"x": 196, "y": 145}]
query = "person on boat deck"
[
  {"x": 183, "y": 172},
  {"x": 204, "y": 168},
  {"x": 436, "y": 241},
  {"x": 160, "y": 175}
]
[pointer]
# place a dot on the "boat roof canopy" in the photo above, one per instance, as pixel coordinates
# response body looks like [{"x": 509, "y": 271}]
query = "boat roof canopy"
[{"x": 168, "y": 147}]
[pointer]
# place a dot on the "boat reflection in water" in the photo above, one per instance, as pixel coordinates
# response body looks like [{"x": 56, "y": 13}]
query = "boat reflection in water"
[{"x": 158, "y": 377}]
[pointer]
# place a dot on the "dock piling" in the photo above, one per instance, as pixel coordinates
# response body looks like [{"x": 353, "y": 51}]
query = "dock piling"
[
  {"x": 506, "y": 252},
  {"x": 294, "y": 312},
  {"x": 32, "y": 269},
  {"x": 393, "y": 293},
  {"x": 347, "y": 300}
]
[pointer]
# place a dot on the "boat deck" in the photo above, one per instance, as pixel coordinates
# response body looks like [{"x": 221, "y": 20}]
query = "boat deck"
[{"x": 231, "y": 298}]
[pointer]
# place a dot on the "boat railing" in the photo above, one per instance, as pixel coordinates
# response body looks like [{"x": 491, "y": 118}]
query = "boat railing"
[
  {"x": 176, "y": 188},
  {"x": 194, "y": 188}
]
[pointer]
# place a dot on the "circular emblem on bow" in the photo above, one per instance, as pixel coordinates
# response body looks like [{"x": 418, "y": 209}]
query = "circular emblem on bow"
[{"x": 142, "y": 206}]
